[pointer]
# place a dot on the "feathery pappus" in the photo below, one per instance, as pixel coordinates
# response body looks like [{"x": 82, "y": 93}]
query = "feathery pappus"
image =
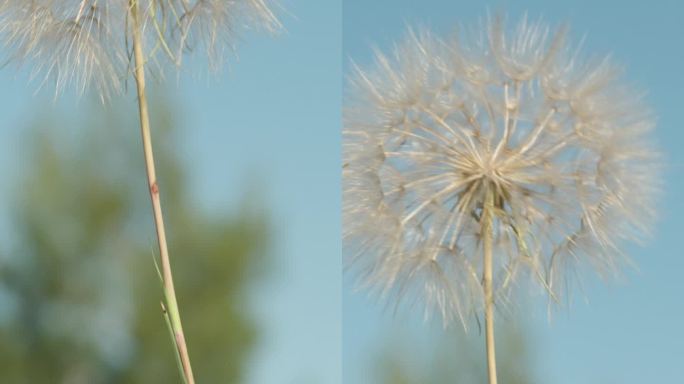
[
  {"x": 86, "y": 43},
  {"x": 560, "y": 143}
]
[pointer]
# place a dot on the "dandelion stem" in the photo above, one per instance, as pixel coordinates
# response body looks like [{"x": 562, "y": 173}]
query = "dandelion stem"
[
  {"x": 487, "y": 234},
  {"x": 167, "y": 278}
]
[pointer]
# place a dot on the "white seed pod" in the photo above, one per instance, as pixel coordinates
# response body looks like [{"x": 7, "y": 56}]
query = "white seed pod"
[
  {"x": 87, "y": 43},
  {"x": 561, "y": 142}
]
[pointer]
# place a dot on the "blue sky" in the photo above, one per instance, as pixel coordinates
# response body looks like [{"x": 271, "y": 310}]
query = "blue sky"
[
  {"x": 272, "y": 119},
  {"x": 627, "y": 331}
]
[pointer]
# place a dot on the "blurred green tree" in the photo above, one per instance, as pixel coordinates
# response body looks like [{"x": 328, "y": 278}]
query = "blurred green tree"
[
  {"x": 79, "y": 294},
  {"x": 457, "y": 360}
]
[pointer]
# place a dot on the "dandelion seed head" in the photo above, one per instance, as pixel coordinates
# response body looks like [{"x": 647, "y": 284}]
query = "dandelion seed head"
[
  {"x": 561, "y": 142},
  {"x": 70, "y": 44},
  {"x": 209, "y": 26},
  {"x": 87, "y": 43}
]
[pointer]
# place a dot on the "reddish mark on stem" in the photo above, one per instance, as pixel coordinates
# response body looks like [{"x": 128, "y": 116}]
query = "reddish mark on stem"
[{"x": 154, "y": 188}]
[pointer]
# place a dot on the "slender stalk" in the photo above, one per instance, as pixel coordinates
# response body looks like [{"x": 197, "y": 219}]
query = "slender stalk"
[
  {"x": 487, "y": 235},
  {"x": 167, "y": 279}
]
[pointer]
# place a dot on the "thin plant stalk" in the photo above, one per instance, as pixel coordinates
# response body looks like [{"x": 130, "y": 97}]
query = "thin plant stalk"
[
  {"x": 172, "y": 313},
  {"x": 487, "y": 234}
]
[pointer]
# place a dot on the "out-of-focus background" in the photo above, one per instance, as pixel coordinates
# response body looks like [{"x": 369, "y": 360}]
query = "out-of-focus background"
[
  {"x": 626, "y": 332},
  {"x": 249, "y": 176}
]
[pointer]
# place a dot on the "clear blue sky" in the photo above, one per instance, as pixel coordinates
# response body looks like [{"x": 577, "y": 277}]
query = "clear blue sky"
[
  {"x": 630, "y": 331},
  {"x": 272, "y": 119}
]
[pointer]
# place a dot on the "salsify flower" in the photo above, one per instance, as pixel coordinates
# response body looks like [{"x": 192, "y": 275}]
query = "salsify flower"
[
  {"x": 88, "y": 42},
  {"x": 503, "y": 132}
]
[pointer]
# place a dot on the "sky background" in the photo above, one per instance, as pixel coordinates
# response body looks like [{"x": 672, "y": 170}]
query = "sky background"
[
  {"x": 626, "y": 332},
  {"x": 271, "y": 120}
]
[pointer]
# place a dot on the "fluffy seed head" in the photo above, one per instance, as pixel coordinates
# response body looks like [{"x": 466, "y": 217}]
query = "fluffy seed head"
[
  {"x": 559, "y": 141},
  {"x": 88, "y": 42}
]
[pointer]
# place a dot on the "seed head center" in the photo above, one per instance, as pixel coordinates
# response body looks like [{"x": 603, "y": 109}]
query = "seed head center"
[{"x": 490, "y": 169}]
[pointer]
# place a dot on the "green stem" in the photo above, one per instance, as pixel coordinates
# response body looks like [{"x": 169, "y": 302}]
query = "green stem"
[{"x": 167, "y": 278}]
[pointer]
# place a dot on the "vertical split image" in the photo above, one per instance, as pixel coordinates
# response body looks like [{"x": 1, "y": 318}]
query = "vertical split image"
[{"x": 341, "y": 192}]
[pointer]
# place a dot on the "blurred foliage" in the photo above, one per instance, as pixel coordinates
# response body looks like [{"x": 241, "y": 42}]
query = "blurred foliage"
[
  {"x": 79, "y": 293},
  {"x": 458, "y": 359}
]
